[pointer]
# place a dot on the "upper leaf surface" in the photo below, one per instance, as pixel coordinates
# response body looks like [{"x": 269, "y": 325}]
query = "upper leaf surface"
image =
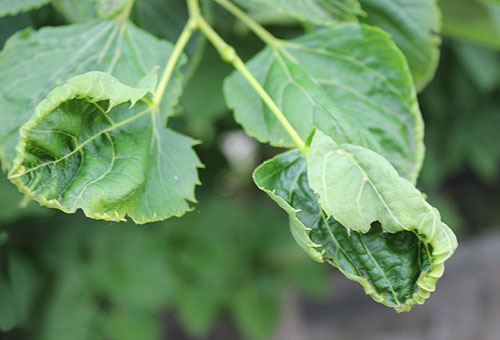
[
  {"x": 349, "y": 80},
  {"x": 415, "y": 26},
  {"x": 320, "y": 12},
  {"x": 97, "y": 144},
  {"x": 12, "y": 7},
  {"x": 393, "y": 268},
  {"x": 33, "y": 63}
]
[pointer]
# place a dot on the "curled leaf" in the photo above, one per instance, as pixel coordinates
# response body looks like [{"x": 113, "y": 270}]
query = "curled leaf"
[
  {"x": 396, "y": 269},
  {"x": 98, "y": 145}
]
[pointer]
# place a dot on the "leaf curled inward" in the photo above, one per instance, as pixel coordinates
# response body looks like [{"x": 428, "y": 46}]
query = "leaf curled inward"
[{"x": 98, "y": 145}]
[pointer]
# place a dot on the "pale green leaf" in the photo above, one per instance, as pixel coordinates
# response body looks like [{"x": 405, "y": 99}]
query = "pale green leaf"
[
  {"x": 358, "y": 188},
  {"x": 350, "y": 81},
  {"x": 415, "y": 26},
  {"x": 76, "y": 11},
  {"x": 320, "y": 12},
  {"x": 98, "y": 145},
  {"x": 32, "y": 63},
  {"x": 393, "y": 268},
  {"x": 110, "y": 8},
  {"x": 13, "y": 7}
]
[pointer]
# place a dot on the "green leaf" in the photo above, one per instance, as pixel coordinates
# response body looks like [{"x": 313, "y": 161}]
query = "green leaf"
[
  {"x": 18, "y": 287},
  {"x": 13, "y": 204},
  {"x": 472, "y": 20},
  {"x": 13, "y": 7},
  {"x": 358, "y": 187},
  {"x": 76, "y": 11},
  {"x": 256, "y": 309},
  {"x": 98, "y": 145},
  {"x": 319, "y": 12},
  {"x": 32, "y": 63},
  {"x": 350, "y": 81},
  {"x": 110, "y": 8},
  {"x": 393, "y": 268},
  {"x": 415, "y": 27}
]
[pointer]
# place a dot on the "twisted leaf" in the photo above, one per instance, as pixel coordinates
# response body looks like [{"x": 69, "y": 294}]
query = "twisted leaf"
[{"x": 397, "y": 269}]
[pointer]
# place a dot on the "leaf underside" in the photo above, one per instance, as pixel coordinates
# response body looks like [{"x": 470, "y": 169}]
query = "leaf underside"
[
  {"x": 350, "y": 81},
  {"x": 97, "y": 145},
  {"x": 394, "y": 268}
]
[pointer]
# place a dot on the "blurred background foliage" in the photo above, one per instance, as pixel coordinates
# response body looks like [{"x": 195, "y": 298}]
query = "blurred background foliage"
[{"x": 221, "y": 272}]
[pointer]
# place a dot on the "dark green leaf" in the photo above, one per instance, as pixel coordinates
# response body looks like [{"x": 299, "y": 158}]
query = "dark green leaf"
[{"x": 98, "y": 145}]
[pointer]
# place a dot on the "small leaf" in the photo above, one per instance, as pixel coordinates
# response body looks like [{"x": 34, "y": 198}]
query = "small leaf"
[
  {"x": 13, "y": 7},
  {"x": 415, "y": 27},
  {"x": 393, "y": 268},
  {"x": 98, "y": 145},
  {"x": 349, "y": 81},
  {"x": 319, "y": 12}
]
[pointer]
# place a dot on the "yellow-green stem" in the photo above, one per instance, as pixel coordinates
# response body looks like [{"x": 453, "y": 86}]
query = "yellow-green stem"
[
  {"x": 260, "y": 31},
  {"x": 181, "y": 43},
  {"x": 228, "y": 53}
]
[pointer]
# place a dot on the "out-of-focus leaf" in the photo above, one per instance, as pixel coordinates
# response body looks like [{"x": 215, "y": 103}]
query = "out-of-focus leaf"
[
  {"x": 350, "y": 81},
  {"x": 415, "y": 27},
  {"x": 76, "y": 11},
  {"x": 70, "y": 312},
  {"x": 256, "y": 310},
  {"x": 197, "y": 309},
  {"x": 18, "y": 288},
  {"x": 320, "y": 12},
  {"x": 122, "y": 324},
  {"x": 8, "y": 313},
  {"x": 472, "y": 20},
  {"x": 12, "y": 24},
  {"x": 483, "y": 65},
  {"x": 13, "y": 7},
  {"x": 11, "y": 201},
  {"x": 130, "y": 268}
]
